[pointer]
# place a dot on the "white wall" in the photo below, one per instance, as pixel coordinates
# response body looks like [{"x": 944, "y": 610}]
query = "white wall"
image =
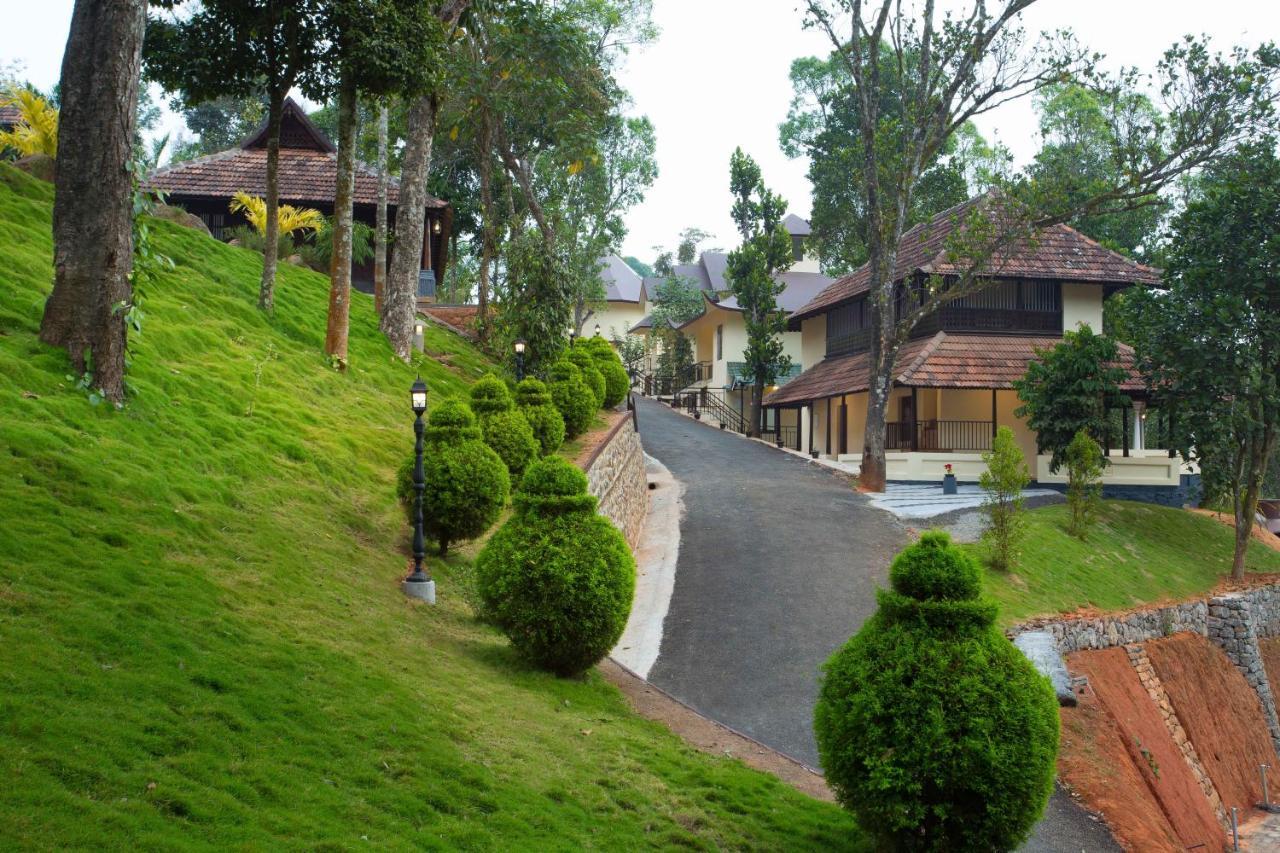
[
  {"x": 615, "y": 318},
  {"x": 1081, "y": 303},
  {"x": 813, "y": 340}
]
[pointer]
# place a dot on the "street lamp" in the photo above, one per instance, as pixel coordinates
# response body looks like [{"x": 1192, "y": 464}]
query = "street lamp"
[
  {"x": 597, "y": 330},
  {"x": 520, "y": 345},
  {"x": 418, "y": 584},
  {"x": 573, "y": 335}
]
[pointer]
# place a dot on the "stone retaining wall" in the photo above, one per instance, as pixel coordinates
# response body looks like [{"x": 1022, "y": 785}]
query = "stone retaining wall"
[{"x": 616, "y": 476}]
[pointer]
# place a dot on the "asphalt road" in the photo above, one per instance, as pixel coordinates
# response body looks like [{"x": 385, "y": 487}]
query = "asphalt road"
[{"x": 779, "y": 563}]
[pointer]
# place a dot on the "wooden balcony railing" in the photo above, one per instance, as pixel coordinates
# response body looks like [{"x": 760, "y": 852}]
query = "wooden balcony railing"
[{"x": 937, "y": 435}]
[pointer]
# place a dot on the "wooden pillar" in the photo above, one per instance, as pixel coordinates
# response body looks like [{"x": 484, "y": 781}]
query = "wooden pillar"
[
  {"x": 813, "y": 414},
  {"x": 915, "y": 420},
  {"x": 1106, "y": 432},
  {"x": 993, "y": 417},
  {"x": 1169, "y": 435},
  {"x": 826, "y": 438},
  {"x": 1124, "y": 430}
]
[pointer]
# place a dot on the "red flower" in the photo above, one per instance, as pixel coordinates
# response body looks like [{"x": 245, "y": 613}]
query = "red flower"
[{"x": 948, "y": 467}]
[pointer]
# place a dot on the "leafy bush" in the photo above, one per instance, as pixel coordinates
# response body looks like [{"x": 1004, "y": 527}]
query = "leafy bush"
[
  {"x": 466, "y": 481},
  {"x": 572, "y": 397},
  {"x": 616, "y": 381},
  {"x": 591, "y": 375},
  {"x": 932, "y": 728},
  {"x": 557, "y": 578},
  {"x": 1003, "y": 481},
  {"x": 489, "y": 395},
  {"x": 317, "y": 252},
  {"x": 534, "y": 401},
  {"x": 512, "y": 438},
  {"x": 1084, "y": 484}
]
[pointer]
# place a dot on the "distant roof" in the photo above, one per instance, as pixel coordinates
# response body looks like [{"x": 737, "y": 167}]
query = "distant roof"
[
  {"x": 801, "y": 288},
  {"x": 944, "y": 360},
  {"x": 696, "y": 272},
  {"x": 1057, "y": 252},
  {"x": 9, "y": 116},
  {"x": 646, "y": 322},
  {"x": 308, "y": 169},
  {"x": 621, "y": 282},
  {"x": 796, "y": 226}
]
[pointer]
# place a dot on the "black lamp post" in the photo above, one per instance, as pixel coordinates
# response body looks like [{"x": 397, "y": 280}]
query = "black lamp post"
[
  {"x": 419, "y": 584},
  {"x": 520, "y": 345},
  {"x": 573, "y": 336}
]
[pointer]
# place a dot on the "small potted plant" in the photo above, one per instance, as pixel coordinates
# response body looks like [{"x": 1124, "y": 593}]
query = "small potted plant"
[{"x": 948, "y": 481}]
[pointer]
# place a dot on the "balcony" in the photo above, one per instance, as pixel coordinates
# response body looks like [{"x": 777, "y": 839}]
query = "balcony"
[{"x": 935, "y": 436}]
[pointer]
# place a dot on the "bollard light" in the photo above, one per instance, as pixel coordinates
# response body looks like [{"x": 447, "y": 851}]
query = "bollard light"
[
  {"x": 419, "y": 584},
  {"x": 597, "y": 330}
]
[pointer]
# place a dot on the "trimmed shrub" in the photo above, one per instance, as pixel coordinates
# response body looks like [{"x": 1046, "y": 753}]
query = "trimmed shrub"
[
  {"x": 534, "y": 401},
  {"x": 557, "y": 578},
  {"x": 1085, "y": 464},
  {"x": 932, "y": 728},
  {"x": 572, "y": 398},
  {"x": 1003, "y": 481},
  {"x": 616, "y": 381},
  {"x": 511, "y": 437},
  {"x": 591, "y": 375},
  {"x": 489, "y": 396},
  {"x": 466, "y": 482}
]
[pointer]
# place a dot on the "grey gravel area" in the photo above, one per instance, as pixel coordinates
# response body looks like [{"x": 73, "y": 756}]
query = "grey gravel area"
[
  {"x": 779, "y": 563},
  {"x": 966, "y": 525}
]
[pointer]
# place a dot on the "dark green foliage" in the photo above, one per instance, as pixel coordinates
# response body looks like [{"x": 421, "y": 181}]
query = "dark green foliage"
[
  {"x": 609, "y": 363},
  {"x": 1003, "y": 481},
  {"x": 932, "y": 728},
  {"x": 1069, "y": 388},
  {"x": 511, "y": 437},
  {"x": 557, "y": 578},
  {"x": 591, "y": 375},
  {"x": 572, "y": 398},
  {"x": 544, "y": 418},
  {"x": 1084, "y": 484},
  {"x": 451, "y": 421},
  {"x": 467, "y": 486},
  {"x": 489, "y": 396}
]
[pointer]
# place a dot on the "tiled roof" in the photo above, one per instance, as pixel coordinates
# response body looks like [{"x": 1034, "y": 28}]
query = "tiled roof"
[
  {"x": 9, "y": 116},
  {"x": 645, "y": 322},
  {"x": 1057, "y": 252},
  {"x": 942, "y": 361},
  {"x": 621, "y": 282},
  {"x": 796, "y": 226},
  {"x": 800, "y": 289}
]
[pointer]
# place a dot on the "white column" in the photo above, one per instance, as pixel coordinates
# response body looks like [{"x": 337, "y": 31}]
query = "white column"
[{"x": 1139, "y": 424}]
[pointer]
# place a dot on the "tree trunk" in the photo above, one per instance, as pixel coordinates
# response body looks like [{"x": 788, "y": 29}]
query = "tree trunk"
[
  {"x": 757, "y": 396},
  {"x": 271, "y": 240},
  {"x": 411, "y": 214},
  {"x": 884, "y": 352},
  {"x": 335, "y": 339},
  {"x": 1259, "y": 450},
  {"x": 380, "y": 235},
  {"x": 484, "y": 155},
  {"x": 93, "y": 203}
]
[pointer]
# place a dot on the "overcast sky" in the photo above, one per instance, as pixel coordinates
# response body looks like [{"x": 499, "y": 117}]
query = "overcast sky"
[{"x": 717, "y": 78}]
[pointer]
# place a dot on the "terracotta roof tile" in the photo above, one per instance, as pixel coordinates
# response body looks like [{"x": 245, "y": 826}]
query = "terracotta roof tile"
[
  {"x": 1057, "y": 252},
  {"x": 942, "y": 361},
  {"x": 9, "y": 115}
]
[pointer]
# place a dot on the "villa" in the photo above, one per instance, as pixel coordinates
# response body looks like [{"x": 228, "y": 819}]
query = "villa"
[
  {"x": 624, "y": 301},
  {"x": 953, "y": 380}
]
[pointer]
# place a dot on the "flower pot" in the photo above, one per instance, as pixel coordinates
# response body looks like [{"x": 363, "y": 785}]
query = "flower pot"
[{"x": 949, "y": 484}]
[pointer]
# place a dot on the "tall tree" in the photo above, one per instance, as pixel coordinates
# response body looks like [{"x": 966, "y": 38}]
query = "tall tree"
[
  {"x": 1211, "y": 344},
  {"x": 237, "y": 48},
  {"x": 379, "y": 47},
  {"x": 380, "y": 215},
  {"x": 411, "y": 213},
  {"x": 93, "y": 198},
  {"x": 218, "y": 124},
  {"x": 752, "y": 275},
  {"x": 956, "y": 66}
]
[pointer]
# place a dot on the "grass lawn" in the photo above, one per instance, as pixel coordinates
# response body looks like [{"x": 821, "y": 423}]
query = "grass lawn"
[
  {"x": 202, "y": 640},
  {"x": 1138, "y": 553}
]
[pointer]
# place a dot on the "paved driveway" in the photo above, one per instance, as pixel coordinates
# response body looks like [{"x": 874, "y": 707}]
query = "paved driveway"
[{"x": 779, "y": 562}]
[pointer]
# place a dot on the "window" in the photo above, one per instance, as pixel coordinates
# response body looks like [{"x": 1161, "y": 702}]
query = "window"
[
  {"x": 847, "y": 328},
  {"x": 719, "y": 342}
]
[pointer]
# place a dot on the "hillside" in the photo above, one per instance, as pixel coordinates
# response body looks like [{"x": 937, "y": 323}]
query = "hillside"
[{"x": 202, "y": 641}]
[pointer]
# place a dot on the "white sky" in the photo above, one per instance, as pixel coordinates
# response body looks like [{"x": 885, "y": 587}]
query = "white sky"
[{"x": 717, "y": 78}]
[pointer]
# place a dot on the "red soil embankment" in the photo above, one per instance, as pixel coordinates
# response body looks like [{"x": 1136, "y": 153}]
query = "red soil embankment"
[
  {"x": 1270, "y": 648},
  {"x": 1220, "y": 712},
  {"x": 1118, "y": 755}
]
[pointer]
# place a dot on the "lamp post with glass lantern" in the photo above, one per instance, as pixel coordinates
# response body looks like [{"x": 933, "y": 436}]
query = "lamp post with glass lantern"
[
  {"x": 597, "y": 330},
  {"x": 418, "y": 584},
  {"x": 520, "y": 359}
]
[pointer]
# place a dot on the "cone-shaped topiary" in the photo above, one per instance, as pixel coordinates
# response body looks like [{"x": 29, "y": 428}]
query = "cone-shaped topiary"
[
  {"x": 534, "y": 401},
  {"x": 572, "y": 398},
  {"x": 489, "y": 396},
  {"x": 581, "y": 356},
  {"x": 932, "y": 728},
  {"x": 466, "y": 482},
  {"x": 557, "y": 578},
  {"x": 512, "y": 438}
]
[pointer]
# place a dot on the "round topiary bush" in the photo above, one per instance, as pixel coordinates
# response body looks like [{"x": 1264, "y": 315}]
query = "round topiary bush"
[
  {"x": 489, "y": 395},
  {"x": 616, "y": 381},
  {"x": 534, "y": 401},
  {"x": 557, "y": 578},
  {"x": 591, "y": 375},
  {"x": 511, "y": 437},
  {"x": 932, "y": 728},
  {"x": 466, "y": 482},
  {"x": 572, "y": 398}
]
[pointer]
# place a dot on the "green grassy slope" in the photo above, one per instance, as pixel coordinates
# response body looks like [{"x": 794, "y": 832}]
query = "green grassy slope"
[
  {"x": 202, "y": 641},
  {"x": 1138, "y": 554}
]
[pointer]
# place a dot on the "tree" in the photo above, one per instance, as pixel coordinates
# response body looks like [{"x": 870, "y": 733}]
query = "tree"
[
  {"x": 237, "y": 48},
  {"x": 954, "y": 67},
  {"x": 641, "y": 268},
  {"x": 1210, "y": 346},
  {"x": 93, "y": 192},
  {"x": 379, "y": 47},
  {"x": 690, "y": 239},
  {"x": 1069, "y": 388},
  {"x": 752, "y": 272},
  {"x": 1005, "y": 477},
  {"x": 1085, "y": 465},
  {"x": 219, "y": 123}
]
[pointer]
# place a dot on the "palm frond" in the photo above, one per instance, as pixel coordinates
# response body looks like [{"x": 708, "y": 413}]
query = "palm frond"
[
  {"x": 288, "y": 217},
  {"x": 37, "y": 129}
]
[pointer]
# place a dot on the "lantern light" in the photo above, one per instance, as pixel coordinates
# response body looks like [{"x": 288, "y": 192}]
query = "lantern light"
[{"x": 418, "y": 397}]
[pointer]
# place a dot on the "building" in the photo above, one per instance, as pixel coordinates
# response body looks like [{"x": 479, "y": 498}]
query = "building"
[
  {"x": 953, "y": 380},
  {"x": 624, "y": 302},
  {"x": 308, "y": 177},
  {"x": 719, "y": 333}
]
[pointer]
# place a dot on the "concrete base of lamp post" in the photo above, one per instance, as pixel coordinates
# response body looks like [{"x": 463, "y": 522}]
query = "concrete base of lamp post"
[{"x": 425, "y": 590}]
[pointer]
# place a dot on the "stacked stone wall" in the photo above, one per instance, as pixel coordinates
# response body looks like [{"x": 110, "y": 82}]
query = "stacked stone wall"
[{"x": 616, "y": 476}]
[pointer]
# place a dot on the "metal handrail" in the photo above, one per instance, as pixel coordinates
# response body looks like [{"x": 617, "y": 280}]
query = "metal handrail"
[{"x": 938, "y": 435}]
